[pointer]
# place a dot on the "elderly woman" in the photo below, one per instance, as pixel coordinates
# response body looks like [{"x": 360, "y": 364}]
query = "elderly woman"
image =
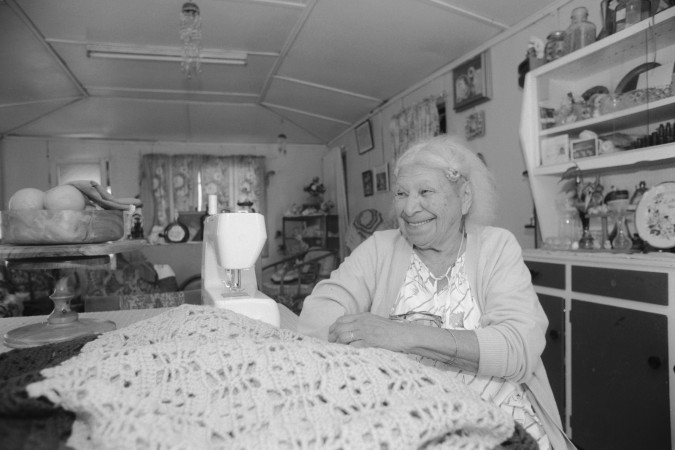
[{"x": 446, "y": 288}]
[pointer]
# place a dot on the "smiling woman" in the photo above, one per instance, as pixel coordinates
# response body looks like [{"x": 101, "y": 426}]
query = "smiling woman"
[{"x": 482, "y": 321}]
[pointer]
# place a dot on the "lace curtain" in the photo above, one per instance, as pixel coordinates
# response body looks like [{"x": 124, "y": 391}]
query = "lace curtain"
[
  {"x": 415, "y": 122},
  {"x": 171, "y": 183}
]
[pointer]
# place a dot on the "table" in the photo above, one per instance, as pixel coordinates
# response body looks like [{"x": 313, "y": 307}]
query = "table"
[{"x": 124, "y": 318}]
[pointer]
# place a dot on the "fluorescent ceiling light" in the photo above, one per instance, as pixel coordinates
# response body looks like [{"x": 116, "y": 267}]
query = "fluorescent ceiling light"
[{"x": 170, "y": 54}]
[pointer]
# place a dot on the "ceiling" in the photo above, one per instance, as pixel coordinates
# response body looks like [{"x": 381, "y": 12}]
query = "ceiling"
[{"x": 313, "y": 67}]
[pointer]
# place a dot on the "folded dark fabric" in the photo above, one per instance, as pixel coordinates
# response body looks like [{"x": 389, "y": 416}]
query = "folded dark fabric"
[{"x": 33, "y": 423}]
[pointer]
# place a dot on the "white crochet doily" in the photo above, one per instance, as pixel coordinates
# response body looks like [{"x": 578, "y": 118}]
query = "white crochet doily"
[{"x": 196, "y": 377}]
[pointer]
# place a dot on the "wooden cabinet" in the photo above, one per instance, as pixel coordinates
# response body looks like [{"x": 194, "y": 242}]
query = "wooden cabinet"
[
  {"x": 608, "y": 356},
  {"x": 629, "y": 116},
  {"x": 619, "y": 378},
  {"x": 320, "y": 230}
]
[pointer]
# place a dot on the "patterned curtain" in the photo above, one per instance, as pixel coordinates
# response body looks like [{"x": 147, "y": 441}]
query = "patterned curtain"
[
  {"x": 169, "y": 184},
  {"x": 416, "y": 122}
]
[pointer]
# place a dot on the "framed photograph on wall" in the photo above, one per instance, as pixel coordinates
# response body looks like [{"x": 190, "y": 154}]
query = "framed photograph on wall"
[
  {"x": 364, "y": 137},
  {"x": 367, "y": 178},
  {"x": 381, "y": 178},
  {"x": 471, "y": 81}
]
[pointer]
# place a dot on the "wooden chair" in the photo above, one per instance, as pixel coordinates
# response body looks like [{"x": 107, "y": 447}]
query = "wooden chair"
[{"x": 291, "y": 279}]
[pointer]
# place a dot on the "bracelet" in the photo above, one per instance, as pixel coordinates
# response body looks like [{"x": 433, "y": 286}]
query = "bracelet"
[{"x": 454, "y": 338}]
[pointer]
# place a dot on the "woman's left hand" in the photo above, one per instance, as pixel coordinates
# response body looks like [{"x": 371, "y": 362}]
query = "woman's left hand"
[{"x": 368, "y": 330}]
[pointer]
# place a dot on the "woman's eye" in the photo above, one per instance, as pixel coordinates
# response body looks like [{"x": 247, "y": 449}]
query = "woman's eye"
[
  {"x": 426, "y": 192},
  {"x": 400, "y": 195}
]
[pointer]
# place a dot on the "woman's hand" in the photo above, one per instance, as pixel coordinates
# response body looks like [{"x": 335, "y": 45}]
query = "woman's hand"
[{"x": 369, "y": 330}]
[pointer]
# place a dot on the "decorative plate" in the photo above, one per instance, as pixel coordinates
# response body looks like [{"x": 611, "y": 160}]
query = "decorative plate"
[{"x": 655, "y": 216}]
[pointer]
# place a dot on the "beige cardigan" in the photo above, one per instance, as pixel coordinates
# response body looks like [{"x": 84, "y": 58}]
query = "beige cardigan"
[{"x": 513, "y": 324}]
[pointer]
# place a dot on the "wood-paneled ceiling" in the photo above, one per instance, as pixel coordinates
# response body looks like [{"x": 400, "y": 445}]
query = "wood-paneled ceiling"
[{"x": 313, "y": 67}]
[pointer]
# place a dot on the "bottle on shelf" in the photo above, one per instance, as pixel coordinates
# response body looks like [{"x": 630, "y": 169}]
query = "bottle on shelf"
[
  {"x": 581, "y": 32},
  {"x": 620, "y": 16},
  {"x": 637, "y": 11}
]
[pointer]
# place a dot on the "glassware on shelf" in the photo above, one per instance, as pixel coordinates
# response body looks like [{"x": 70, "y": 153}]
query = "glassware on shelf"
[
  {"x": 619, "y": 16},
  {"x": 586, "y": 242},
  {"x": 555, "y": 46},
  {"x": 581, "y": 32},
  {"x": 637, "y": 11},
  {"x": 621, "y": 240},
  {"x": 569, "y": 226}
]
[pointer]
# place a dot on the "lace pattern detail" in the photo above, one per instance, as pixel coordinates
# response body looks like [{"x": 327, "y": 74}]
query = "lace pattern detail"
[{"x": 199, "y": 377}]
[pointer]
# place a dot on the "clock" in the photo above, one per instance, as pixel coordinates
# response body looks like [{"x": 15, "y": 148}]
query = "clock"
[{"x": 176, "y": 232}]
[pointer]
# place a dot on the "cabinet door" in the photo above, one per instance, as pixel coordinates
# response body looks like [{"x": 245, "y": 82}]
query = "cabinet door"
[
  {"x": 620, "y": 396},
  {"x": 554, "y": 353}
]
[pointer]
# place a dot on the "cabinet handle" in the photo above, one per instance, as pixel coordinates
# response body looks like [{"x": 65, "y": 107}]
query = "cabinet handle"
[
  {"x": 654, "y": 362},
  {"x": 534, "y": 274},
  {"x": 554, "y": 334}
]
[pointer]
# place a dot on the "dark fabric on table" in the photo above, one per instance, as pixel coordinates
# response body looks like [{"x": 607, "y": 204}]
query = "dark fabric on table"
[
  {"x": 33, "y": 423},
  {"x": 37, "y": 424}
]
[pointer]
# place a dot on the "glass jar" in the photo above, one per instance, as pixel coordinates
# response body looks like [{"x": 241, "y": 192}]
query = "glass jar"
[
  {"x": 569, "y": 227},
  {"x": 581, "y": 32},
  {"x": 555, "y": 46},
  {"x": 620, "y": 16},
  {"x": 637, "y": 11}
]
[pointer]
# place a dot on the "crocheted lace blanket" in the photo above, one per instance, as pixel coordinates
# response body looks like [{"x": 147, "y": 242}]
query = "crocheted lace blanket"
[{"x": 197, "y": 377}]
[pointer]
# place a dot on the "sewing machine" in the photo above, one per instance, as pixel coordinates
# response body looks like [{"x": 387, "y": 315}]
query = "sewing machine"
[{"x": 232, "y": 244}]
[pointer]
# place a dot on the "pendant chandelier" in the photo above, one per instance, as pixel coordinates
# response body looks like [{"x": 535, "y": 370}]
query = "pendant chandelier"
[{"x": 191, "y": 36}]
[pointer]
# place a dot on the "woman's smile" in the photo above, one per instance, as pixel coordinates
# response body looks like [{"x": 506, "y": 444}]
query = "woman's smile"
[{"x": 419, "y": 223}]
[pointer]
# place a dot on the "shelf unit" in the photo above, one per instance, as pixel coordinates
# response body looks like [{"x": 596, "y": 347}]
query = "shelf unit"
[
  {"x": 603, "y": 63},
  {"x": 609, "y": 353},
  {"x": 317, "y": 230}
]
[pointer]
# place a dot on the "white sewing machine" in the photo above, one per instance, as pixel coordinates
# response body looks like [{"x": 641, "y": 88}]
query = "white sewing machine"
[{"x": 232, "y": 244}]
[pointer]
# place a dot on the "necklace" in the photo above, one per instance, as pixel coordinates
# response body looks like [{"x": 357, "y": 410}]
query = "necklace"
[{"x": 445, "y": 275}]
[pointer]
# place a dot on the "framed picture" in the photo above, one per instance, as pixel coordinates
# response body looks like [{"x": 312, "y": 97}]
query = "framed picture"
[
  {"x": 555, "y": 150},
  {"x": 364, "y": 137},
  {"x": 367, "y": 178},
  {"x": 584, "y": 148},
  {"x": 382, "y": 178},
  {"x": 475, "y": 125},
  {"x": 471, "y": 81}
]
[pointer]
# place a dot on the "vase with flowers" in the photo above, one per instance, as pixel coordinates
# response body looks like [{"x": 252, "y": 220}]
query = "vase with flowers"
[{"x": 315, "y": 189}]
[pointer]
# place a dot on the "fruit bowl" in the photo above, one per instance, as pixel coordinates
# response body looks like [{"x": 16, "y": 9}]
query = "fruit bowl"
[{"x": 45, "y": 227}]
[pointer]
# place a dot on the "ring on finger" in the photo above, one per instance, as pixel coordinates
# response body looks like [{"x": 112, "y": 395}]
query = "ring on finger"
[{"x": 351, "y": 336}]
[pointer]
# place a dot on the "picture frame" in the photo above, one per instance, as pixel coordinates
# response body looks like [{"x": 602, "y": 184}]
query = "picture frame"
[
  {"x": 555, "y": 150},
  {"x": 364, "y": 137},
  {"x": 471, "y": 82},
  {"x": 583, "y": 148},
  {"x": 475, "y": 125},
  {"x": 367, "y": 178},
  {"x": 381, "y": 178}
]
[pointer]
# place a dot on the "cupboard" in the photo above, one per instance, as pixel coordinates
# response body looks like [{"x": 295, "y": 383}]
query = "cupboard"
[{"x": 608, "y": 356}]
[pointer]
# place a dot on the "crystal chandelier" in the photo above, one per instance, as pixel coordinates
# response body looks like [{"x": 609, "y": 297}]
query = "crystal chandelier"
[{"x": 191, "y": 35}]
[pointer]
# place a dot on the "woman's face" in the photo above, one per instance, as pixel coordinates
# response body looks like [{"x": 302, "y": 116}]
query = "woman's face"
[{"x": 429, "y": 207}]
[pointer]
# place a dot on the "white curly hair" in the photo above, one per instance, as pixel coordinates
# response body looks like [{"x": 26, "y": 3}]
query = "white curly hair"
[{"x": 452, "y": 155}]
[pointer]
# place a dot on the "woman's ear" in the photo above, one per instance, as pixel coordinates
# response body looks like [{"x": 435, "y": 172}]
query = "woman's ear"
[{"x": 466, "y": 197}]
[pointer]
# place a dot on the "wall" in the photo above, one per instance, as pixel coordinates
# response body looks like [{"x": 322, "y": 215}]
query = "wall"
[
  {"x": 27, "y": 162},
  {"x": 501, "y": 143}
]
